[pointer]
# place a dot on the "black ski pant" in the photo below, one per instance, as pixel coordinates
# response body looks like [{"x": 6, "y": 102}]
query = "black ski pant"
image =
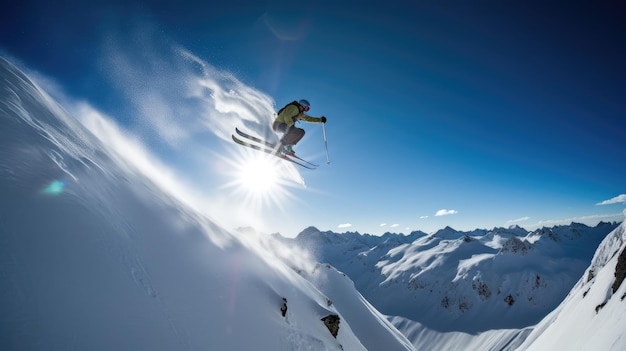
[{"x": 291, "y": 134}]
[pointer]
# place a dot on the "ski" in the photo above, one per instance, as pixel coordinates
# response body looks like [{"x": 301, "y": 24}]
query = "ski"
[
  {"x": 272, "y": 146},
  {"x": 255, "y": 139},
  {"x": 273, "y": 153}
]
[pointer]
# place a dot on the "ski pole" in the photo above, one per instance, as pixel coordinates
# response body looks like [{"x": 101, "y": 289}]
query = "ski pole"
[{"x": 325, "y": 142}]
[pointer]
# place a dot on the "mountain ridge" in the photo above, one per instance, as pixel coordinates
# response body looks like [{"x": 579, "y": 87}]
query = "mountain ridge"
[{"x": 450, "y": 279}]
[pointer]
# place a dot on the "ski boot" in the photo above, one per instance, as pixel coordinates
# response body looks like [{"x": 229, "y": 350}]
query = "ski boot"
[{"x": 287, "y": 150}]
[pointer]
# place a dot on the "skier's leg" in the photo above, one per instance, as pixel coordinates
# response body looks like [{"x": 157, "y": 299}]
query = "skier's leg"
[
  {"x": 279, "y": 127},
  {"x": 292, "y": 136}
]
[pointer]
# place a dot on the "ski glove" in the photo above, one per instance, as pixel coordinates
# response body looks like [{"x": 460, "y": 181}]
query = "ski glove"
[{"x": 323, "y": 119}]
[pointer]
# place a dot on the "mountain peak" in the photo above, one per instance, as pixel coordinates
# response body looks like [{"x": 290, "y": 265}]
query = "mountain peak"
[
  {"x": 516, "y": 245},
  {"x": 448, "y": 233},
  {"x": 311, "y": 230}
]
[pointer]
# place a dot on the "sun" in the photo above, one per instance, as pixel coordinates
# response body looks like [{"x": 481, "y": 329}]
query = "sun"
[
  {"x": 260, "y": 182},
  {"x": 259, "y": 175}
]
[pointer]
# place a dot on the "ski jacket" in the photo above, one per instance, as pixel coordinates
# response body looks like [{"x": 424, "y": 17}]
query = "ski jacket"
[{"x": 290, "y": 114}]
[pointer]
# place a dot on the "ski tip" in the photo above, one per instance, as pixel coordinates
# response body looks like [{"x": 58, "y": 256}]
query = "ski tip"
[{"x": 235, "y": 139}]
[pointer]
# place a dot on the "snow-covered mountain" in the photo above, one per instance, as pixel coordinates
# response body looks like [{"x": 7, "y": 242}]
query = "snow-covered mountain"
[
  {"x": 462, "y": 288},
  {"x": 95, "y": 256},
  {"x": 593, "y": 316}
]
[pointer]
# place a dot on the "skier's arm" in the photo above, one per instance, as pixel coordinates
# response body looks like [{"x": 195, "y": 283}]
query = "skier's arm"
[{"x": 310, "y": 119}]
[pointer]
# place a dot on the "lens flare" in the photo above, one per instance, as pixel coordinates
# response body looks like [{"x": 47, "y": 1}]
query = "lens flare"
[
  {"x": 54, "y": 188},
  {"x": 261, "y": 182},
  {"x": 259, "y": 175}
]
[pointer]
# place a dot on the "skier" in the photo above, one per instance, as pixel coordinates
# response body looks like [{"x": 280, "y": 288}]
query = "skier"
[{"x": 285, "y": 123}]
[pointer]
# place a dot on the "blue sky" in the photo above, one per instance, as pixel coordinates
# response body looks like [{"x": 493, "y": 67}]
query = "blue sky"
[{"x": 467, "y": 114}]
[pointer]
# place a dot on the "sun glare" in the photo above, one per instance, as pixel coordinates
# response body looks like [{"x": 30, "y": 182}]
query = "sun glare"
[
  {"x": 259, "y": 175},
  {"x": 259, "y": 181}
]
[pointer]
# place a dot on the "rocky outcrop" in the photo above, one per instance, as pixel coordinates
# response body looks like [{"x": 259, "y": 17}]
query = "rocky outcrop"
[
  {"x": 620, "y": 271},
  {"x": 515, "y": 245},
  {"x": 332, "y": 323},
  {"x": 283, "y": 307}
]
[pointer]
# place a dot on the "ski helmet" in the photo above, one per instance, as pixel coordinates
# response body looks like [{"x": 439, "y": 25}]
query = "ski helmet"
[{"x": 305, "y": 104}]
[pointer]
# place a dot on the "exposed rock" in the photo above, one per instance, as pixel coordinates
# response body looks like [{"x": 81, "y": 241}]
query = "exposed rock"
[
  {"x": 620, "y": 271},
  {"x": 445, "y": 303},
  {"x": 516, "y": 245},
  {"x": 482, "y": 289},
  {"x": 332, "y": 323},
  {"x": 283, "y": 308},
  {"x": 591, "y": 274}
]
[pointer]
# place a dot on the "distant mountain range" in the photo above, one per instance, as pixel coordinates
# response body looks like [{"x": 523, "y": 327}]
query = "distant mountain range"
[{"x": 455, "y": 281}]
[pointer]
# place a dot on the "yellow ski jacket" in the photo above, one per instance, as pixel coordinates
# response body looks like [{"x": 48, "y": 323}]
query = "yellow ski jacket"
[{"x": 291, "y": 114}]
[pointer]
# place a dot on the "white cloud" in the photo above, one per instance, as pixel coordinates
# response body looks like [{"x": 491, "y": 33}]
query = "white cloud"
[
  {"x": 521, "y": 219},
  {"x": 344, "y": 225},
  {"x": 394, "y": 225},
  {"x": 383, "y": 224},
  {"x": 616, "y": 200},
  {"x": 423, "y": 217},
  {"x": 445, "y": 212}
]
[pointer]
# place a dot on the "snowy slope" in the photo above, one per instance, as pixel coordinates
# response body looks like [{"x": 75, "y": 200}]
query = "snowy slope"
[
  {"x": 363, "y": 316},
  {"x": 95, "y": 256},
  {"x": 485, "y": 288},
  {"x": 592, "y": 317},
  {"x": 425, "y": 338}
]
